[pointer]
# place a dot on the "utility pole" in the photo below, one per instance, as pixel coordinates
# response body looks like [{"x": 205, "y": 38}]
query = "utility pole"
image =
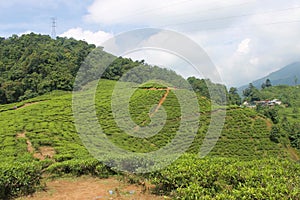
[{"x": 53, "y": 28}]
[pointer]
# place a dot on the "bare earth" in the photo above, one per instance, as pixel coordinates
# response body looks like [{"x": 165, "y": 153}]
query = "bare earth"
[
  {"x": 27, "y": 104},
  {"x": 42, "y": 153},
  {"x": 88, "y": 188}
]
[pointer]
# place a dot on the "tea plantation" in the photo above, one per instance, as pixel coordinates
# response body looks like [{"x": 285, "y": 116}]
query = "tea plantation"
[{"x": 38, "y": 138}]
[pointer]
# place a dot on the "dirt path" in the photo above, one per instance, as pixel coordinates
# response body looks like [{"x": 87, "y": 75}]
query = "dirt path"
[
  {"x": 26, "y": 104},
  {"x": 293, "y": 153},
  {"x": 30, "y": 149},
  {"x": 161, "y": 101},
  {"x": 88, "y": 188},
  {"x": 42, "y": 154}
]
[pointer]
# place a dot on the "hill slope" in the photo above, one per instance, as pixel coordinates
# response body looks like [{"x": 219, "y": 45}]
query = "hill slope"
[
  {"x": 38, "y": 136},
  {"x": 284, "y": 76},
  {"x": 47, "y": 121}
]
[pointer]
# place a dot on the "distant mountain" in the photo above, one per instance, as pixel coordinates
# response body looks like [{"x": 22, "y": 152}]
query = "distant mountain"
[{"x": 284, "y": 76}]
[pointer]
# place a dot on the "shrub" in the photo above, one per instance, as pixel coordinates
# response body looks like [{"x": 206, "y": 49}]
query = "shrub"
[
  {"x": 80, "y": 167},
  {"x": 19, "y": 179}
]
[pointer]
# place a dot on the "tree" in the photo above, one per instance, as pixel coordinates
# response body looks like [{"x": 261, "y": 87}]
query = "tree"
[
  {"x": 2, "y": 96},
  {"x": 294, "y": 135},
  {"x": 296, "y": 80},
  {"x": 199, "y": 86},
  {"x": 214, "y": 91},
  {"x": 252, "y": 93},
  {"x": 27, "y": 63},
  {"x": 275, "y": 134},
  {"x": 234, "y": 97},
  {"x": 247, "y": 91},
  {"x": 268, "y": 83},
  {"x": 271, "y": 113}
]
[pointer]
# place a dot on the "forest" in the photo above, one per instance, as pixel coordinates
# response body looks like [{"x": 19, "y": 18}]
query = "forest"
[{"x": 34, "y": 64}]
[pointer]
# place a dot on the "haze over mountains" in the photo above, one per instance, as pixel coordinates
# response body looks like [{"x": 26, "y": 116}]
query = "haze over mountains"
[{"x": 288, "y": 75}]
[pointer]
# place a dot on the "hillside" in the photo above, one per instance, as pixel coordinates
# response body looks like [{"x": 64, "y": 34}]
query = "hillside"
[
  {"x": 284, "y": 76},
  {"x": 40, "y": 132},
  {"x": 288, "y": 114},
  {"x": 148, "y": 120},
  {"x": 47, "y": 122}
]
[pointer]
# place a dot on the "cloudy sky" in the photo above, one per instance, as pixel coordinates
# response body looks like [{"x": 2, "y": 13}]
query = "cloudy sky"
[{"x": 245, "y": 39}]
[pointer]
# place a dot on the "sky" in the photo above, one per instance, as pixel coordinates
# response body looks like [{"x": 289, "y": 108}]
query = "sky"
[{"x": 245, "y": 39}]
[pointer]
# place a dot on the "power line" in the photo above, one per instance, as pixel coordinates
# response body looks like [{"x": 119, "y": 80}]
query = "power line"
[
  {"x": 144, "y": 11},
  {"x": 231, "y": 17},
  {"x": 214, "y": 9},
  {"x": 250, "y": 25},
  {"x": 149, "y": 10}
]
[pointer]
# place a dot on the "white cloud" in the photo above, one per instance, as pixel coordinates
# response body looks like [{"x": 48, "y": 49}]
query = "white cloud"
[
  {"x": 243, "y": 47},
  {"x": 254, "y": 61},
  {"x": 96, "y": 38},
  {"x": 245, "y": 39},
  {"x": 157, "y": 12}
]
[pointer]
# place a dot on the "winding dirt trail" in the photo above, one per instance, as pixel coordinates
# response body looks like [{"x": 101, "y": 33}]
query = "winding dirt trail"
[
  {"x": 161, "y": 101},
  {"x": 26, "y": 104},
  {"x": 30, "y": 149},
  {"x": 43, "y": 153}
]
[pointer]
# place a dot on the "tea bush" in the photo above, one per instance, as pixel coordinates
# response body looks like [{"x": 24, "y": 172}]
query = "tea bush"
[{"x": 19, "y": 179}]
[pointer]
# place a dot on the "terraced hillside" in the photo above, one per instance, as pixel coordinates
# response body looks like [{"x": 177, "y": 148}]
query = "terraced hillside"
[
  {"x": 46, "y": 122},
  {"x": 38, "y": 136}
]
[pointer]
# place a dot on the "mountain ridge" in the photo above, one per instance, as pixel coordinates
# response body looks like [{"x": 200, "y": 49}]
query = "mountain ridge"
[{"x": 287, "y": 75}]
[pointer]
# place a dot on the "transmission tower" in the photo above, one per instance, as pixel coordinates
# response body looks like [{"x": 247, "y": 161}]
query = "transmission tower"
[{"x": 53, "y": 28}]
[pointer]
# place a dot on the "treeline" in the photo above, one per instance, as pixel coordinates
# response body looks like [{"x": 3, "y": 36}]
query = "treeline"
[
  {"x": 267, "y": 91},
  {"x": 32, "y": 64},
  {"x": 215, "y": 91},
  {"x": 100, "y": 64}
]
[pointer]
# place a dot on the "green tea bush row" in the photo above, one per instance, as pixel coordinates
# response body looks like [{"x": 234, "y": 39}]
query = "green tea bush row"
[
  {"x": 19, "y": 179},
  {"x": 80, "y": 167},
  {"x": 225, "y": 178}
]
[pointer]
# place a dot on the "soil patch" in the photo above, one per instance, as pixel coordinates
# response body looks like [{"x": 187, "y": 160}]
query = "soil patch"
[
  {"x": 294, "y": 155},
  {"x": 269, "y": 124},
  {"x": 161, "y": 101},
  {"x": 88, "y": 188},
  {"x": 43, "y": 153}
]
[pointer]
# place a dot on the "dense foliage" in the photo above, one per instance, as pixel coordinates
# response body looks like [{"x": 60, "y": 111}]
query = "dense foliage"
[
  {"x": 285, "y": 116},
  {"x": 19, "y": 179},
  {"x": 214, "y": 91},
  {"x": 233, "y": 97},
  {"x": 252, "y": 94},
  {"x": 32, "y": 65},
  {"x": 224, "y": 178}
]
